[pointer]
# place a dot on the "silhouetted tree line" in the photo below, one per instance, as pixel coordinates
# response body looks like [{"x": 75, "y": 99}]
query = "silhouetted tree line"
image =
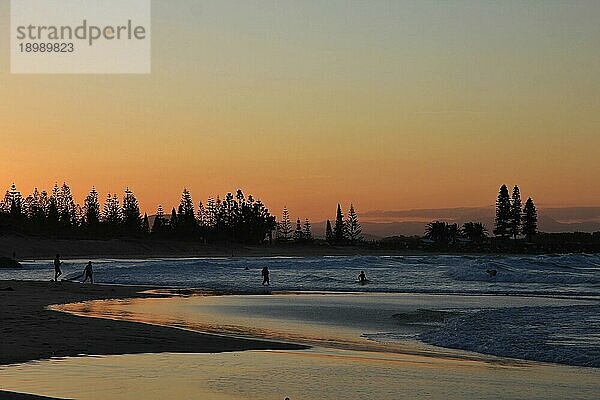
[
  {"x": 512, "y": 219},
  {"x": 541, "y": 243},
  {"x": 445, "y": 233},
  {"x": 235, "y": 218},
  {"x": 240, "y": 219},
  {"x": 285, "y": 233},
  {"x": 345, "y": 231}
]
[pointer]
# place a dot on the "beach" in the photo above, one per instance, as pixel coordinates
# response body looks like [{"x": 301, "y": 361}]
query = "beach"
[
  {"x": 424, "y": 327},
  {"x": 154, "y": 360},
  {"x": 299, "y": 200},
  {"x": 31, "y": 332}
]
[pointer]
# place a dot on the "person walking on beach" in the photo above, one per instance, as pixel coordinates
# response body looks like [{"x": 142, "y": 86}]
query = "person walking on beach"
[
  {"x": 88, "y": 272},
  {"x": 57, "y": 271},
  {"x": 265, "y": 275}
]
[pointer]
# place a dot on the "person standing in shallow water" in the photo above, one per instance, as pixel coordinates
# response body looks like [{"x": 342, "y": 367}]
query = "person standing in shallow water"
[
  {"x": 265, "y": 275},
  {"x": 362, "y": 278},
  {"x": 57, "y": 271},
  {"x": 88, "y": 272}
]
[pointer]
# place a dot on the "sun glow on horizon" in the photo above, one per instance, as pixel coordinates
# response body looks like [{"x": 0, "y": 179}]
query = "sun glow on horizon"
[{"x": 391, "y": 106}]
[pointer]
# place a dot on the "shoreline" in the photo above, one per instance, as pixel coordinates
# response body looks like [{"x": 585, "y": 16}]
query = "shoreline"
[
  {"x": 31, "y": 331},
  {"x": 137, "y": 336},
  {"x": 39, "y": 248}
]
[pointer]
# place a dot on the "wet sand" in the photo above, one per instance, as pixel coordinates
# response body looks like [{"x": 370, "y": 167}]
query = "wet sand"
[
  {"x": 338, "y": 366},
  {"x": 29, "y": 331}
]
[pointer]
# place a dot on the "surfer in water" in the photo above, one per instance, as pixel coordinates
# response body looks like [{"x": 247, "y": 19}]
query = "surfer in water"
[
  {"x": 362, "y": 278},
  {"x": 88, "y": 272},
  {"x": 265, "y": 275}
]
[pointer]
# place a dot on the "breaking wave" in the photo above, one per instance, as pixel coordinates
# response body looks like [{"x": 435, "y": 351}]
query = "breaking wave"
[{"x": 564, "y": 335}]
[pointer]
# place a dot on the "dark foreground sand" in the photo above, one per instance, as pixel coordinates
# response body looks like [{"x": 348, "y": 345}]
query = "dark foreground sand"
[
  {"x": 31, "y": 332},
  {"x": 21, "y": 396}
]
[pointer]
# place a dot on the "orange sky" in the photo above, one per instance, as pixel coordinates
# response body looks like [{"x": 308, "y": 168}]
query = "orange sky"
[{"x": 388, "y": 105}]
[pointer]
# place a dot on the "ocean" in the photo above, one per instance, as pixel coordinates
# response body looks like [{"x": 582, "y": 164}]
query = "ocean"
[
  {"x": 576, "y": 275},
  {"x": 539, "y": 307}
]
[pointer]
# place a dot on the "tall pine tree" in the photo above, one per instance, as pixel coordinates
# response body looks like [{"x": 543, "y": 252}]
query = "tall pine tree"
[
  {"x": 353, "y": 229},
  {"x": 37, "y": 207},
  {"x": 210, "y": 219},
  {"x": 145, "y": 225},
  {"x": 284, "y": 228},
  {"x": 201, "y": 216},
  {"x": 186, "y": 215},
  {"x": 159, "y": 221},
  {"x": 173, "y": 221},
  {"x": 503, "y": 213},
  {"x": 112, "y": 215},
  {"x": 339, "y": 230},
  {"x": 66, "y": 206},
  {"x": 307, "y": 232},
  {"x": 530, "y": 219},
  {"x": 16, "y": 201},
  {"x": 329, "y": 233},
  {"x": 515, "y": 212},
  {"x": 298, "y": 233},
  {"x": 52, "y": 217},
  {"x": 132, "y": 219},
  {"x": 91, "y": 209}
]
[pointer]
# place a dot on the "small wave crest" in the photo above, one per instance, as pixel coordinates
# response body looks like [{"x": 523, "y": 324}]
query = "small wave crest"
[
  {"x": 514, "y": 274},
  {"x": 317, "y": 278},
  {"x": 424, "y": 316}
]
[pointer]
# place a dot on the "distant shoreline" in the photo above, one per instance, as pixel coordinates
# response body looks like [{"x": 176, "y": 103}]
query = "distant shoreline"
[
  {"x": 37, "y": 248},
  {"x": 34, "y": 248}
]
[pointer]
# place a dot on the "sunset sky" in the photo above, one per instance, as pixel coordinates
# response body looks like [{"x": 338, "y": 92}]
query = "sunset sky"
[{"x": 389, "y": 104}]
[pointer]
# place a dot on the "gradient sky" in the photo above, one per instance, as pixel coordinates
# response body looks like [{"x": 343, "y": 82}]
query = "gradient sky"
[{"x": 389, "y": 104}]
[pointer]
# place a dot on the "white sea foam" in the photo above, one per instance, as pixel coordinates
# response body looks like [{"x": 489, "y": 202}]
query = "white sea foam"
[{"x": 565, "y": 335}]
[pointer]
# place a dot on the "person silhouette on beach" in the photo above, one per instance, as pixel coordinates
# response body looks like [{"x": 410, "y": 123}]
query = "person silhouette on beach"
[
  {"x": 57, "y": 271},
  {"x": 265, "y": 275},
  {"x": 362, "y": 278},
  {"x": 88, "y": 272}
]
